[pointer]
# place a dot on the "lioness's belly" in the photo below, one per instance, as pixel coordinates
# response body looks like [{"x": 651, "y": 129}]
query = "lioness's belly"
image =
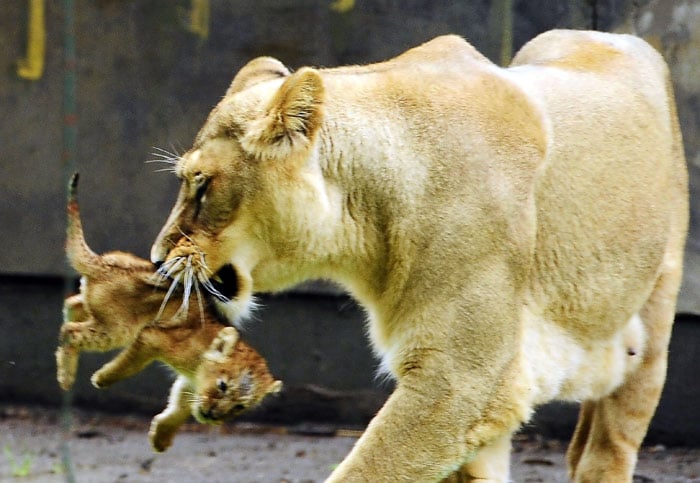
[{"x": 563, "y": 368}]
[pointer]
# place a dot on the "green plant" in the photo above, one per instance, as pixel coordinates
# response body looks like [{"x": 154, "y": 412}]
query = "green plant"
[
  {"x": 19, "y": 467},
  {"x": 57, "y": 468}
]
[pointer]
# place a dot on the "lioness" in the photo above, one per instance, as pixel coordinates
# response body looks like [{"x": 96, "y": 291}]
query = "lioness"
[
  {"x": 123, "y": 304},
  {"x": 515, "y": 234}
]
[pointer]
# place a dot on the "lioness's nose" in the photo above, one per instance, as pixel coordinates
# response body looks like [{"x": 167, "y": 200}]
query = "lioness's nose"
[{"x": 157, "y": 255}]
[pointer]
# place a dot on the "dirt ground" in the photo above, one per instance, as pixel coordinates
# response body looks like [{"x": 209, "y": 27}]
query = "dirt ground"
[{"x": 104, "y": 448}]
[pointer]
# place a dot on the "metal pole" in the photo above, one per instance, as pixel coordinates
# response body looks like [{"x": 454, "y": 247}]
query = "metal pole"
[{"x": 68, "y": 159}]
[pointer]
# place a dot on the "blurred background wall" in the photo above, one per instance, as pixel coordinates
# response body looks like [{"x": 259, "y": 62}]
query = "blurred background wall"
[{"x": 147, "y": 72}]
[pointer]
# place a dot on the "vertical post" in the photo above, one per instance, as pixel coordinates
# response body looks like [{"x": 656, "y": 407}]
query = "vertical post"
[
  {"x": 32, "y": 66},
  {"x": 199, "y": 18},
  {"x": 500, "y": 22},
  {"x": 507, "y": 34},
  {"x": 68, "y": 159}
]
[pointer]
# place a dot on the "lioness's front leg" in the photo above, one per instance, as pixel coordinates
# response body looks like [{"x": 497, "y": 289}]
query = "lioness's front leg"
[
  {"x": 432, "y": 424},
  {"x": 490, "y": 465}
]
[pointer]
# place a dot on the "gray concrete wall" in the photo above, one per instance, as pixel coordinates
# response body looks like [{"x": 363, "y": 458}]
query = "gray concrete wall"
[{"x": 145, "y": 81}]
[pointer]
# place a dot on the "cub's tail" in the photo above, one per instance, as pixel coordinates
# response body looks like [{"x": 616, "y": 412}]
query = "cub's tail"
[{"x": 80, "y": 255}]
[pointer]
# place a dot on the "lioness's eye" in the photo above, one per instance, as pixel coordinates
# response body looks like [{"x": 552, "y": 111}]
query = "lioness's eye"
[
  {"x": 221, "y": 384},
  {"x": 202, "y": 183}
]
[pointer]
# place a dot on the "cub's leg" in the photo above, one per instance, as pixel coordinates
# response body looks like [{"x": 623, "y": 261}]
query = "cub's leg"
[
  {"x": 610, "y": 431},
  {"x": 127, "y": 363},
  {"x": 74, "y": 308},
  {"x": 66, "y": 366},
  {"x": 490, "y": 465},
  {"x": 76, "y": 337},
  {"x": 78, "y": 332},
  {"x": 81, "y": 331},
  {"x": 88, "y": 335},
  {"x": 166, "y": 424}
]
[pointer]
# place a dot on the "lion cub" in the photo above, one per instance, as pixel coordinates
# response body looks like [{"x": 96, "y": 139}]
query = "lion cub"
[{"x": 123, "y": 303}]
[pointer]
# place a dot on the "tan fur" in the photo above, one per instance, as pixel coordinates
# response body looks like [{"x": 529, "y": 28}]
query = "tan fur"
[
  {"x": 516, "y": 235},
  {"x": 120, "y": 304}
]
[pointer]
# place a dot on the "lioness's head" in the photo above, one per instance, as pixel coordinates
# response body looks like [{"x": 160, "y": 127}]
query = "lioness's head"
[
  {"x": 231, "y": 378},
  {"x": 250, "y": 188}
]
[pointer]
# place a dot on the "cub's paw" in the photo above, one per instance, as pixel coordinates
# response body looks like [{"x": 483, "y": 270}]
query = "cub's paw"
[
  {"x": 66, "y": 366},
  {"x": 160, "y": 436},
  {"x": 101, "y": 380}
]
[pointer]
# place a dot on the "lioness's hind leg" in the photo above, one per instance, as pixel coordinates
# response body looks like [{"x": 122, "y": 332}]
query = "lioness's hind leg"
[
  {"x": 490, "y": 465},
  {"x": 611, "y": 430},
  {"x": 581, "y": 433}
]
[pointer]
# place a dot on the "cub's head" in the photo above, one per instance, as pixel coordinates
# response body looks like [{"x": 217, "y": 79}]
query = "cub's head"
[
  {"x": 250, "y": 184},
  {"x": 231, "y": 378}
]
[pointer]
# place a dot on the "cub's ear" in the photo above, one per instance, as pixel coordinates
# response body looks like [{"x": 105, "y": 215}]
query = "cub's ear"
[
  {"x": 224, "y": 344},
  {"x": 256, "y": 71},
  {"x": 275, "y": 388},
  {"x": 291, "y": 119}
]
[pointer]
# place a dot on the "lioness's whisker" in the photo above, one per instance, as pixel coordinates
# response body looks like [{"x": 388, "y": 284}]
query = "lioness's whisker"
[
  {"x": 165, "y": 170},
  {"x": 163, "y": 161},
  {"x": 165, "y": 154},
  {"x": 206, "y": 283},
  {"x": 200, "y": 302},
  {"x": 188, "y": 280},
  {"x": 171, "y": 266},
  {"x": 166, "y": 157},
  {"x": 171, "y": 289}
]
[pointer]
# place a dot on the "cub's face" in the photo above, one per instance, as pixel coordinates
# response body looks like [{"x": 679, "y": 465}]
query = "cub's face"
[
  {"x": 248, "y": 186},
  {"x": 231, "y": 379}
]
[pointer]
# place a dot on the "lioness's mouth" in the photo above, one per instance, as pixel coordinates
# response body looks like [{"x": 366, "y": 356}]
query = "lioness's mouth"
[{"x": 225, "y": 281}]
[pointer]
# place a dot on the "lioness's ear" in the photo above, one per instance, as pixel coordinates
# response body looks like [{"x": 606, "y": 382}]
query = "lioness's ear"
[
  {"x": 255, "y": 71},
  {"x": 291, "y": 120}
]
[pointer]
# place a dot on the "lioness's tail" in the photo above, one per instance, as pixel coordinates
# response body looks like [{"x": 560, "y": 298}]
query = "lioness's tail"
[{"x": 80, "y": 256}]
